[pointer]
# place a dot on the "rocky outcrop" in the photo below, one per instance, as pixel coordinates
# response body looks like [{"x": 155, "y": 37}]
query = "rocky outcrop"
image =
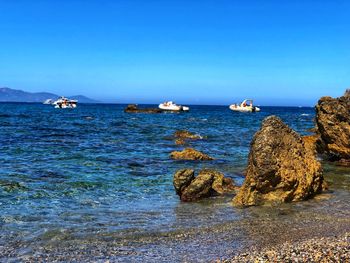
[
  {"x": 347, "y": 93},
  {"x": 182, "y": 179},
  {"x": 182, "y": 136},
  {"x": 207, "y": 183},
  {"x": 132, "y": 108},
  {"x": 281, "y": 167},
  {"x": 333, "y": 126},
  {"x": 310, "y": 143},
  {"x": 190, "y": 154}
]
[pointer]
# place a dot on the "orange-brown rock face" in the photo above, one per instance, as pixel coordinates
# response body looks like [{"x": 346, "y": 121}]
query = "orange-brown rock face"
[
  {"x": 207, "y": 183},
  {"x": 190, "y": 154},
  {"x": 281, "y": 167},
  {"x": 333, "y": 126}
]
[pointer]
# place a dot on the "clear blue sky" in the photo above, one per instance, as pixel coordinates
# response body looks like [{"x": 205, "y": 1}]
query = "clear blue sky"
[{"x": 199, "y": 51}]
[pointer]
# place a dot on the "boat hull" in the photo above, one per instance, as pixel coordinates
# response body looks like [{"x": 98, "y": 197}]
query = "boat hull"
[
  {"x": 65, "y": 106},
  {"x": 173, "y": 108},
  {"x": 244, "y": 109}
]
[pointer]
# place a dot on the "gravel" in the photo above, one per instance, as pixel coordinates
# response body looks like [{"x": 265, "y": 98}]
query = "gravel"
[{"x": 325, "y": 249}]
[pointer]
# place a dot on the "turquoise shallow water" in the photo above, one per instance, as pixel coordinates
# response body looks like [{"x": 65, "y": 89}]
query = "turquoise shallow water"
[{"x": 95, "y": 170}]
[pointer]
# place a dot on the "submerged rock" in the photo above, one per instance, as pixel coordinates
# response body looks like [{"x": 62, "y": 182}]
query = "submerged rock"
[
  {"x": 132, "y": 108},
  {"x": 207, "y": 183},
  {"x": 9, "y": 186},
  {"x": 190, "y": 154},
  {"x": 333, "y": 126},
  {"x": 180, "y": 142},
  {"x": 182, "y": 136},
  {"x": 281, "y": 167}
]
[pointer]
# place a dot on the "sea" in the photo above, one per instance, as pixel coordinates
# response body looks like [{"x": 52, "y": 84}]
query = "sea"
[{"x": 97, "y": 183}]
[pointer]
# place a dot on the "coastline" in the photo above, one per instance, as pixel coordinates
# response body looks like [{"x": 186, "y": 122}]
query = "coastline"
[
  {"x": 307, "y": 229},
  {"x": 263, "y": 242},
  {"x": 321, "y": 249}
]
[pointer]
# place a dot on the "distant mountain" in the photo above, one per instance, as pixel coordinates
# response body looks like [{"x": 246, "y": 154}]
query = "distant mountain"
[
  {"x": 12, "y": 95},
  {"x": 83, "y": 99}
]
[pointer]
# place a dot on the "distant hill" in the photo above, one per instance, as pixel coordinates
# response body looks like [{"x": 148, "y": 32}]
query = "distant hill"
[{"x": 12, "y": 95}]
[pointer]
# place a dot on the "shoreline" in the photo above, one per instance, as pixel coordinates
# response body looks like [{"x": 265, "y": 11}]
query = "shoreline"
[
  {"x": 323, "y": 249},
  {"x": 244, "y": 240}
]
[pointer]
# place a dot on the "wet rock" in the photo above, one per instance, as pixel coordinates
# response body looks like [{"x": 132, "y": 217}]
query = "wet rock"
[
  {"x": 190, "y": 154},
  {"x": 182, "y": 136},
  {"x": 182, "y": 179},
  {"x": 281, "y": 167},
  {"x": 199, "y": 188},
  {"x": 343, "y": 162},
  {"x": 207, "y": 183},
  {"x": 333, "y": 126},
  {"x": 221, "y": 184},
  {"x": 312, "y": 130},
  {"x": 9, "y": 186},
  {"x": 180, "y": 142},
  {"x": 132, "y": 108}
]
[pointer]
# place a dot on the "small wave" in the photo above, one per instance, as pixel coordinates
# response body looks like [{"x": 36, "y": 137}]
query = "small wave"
[{"x": 305, "y": 114}]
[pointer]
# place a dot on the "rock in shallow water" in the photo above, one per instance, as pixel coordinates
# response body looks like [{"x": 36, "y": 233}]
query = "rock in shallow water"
[
  {"x": 132, "y": 108},
  {"x": 333, "y": 125},
  {"x": 190, "y": 154},
  {"x": 207, "y": 183},
  {"x": 280, "y": 167},
  {"x": 182, "y": 179},
  {"x": 182, "y": 136}
]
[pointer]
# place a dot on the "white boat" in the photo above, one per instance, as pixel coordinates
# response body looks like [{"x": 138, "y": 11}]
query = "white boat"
[
  {"x": 172, "y": 106},
  {"x": 245, "y": 106},
  {"x": 64, "y": 103},
  {"x": 48, "y": 101}
]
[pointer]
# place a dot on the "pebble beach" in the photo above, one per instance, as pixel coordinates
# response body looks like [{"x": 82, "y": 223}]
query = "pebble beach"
[{"x": 324, "y": 249}]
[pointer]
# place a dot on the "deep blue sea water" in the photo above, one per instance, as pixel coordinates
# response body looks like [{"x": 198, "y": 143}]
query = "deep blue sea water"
[{"x": 96, "y": 170}]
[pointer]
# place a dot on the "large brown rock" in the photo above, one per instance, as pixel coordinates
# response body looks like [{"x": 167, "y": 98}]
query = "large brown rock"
[
  {"x": 333, "y": 126},
  {"x": 281, "y": 168},
  {"x": 310, "y": 142},
  {"x": 190, "y": 154},
  {"x": 207, "y": 183}
]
